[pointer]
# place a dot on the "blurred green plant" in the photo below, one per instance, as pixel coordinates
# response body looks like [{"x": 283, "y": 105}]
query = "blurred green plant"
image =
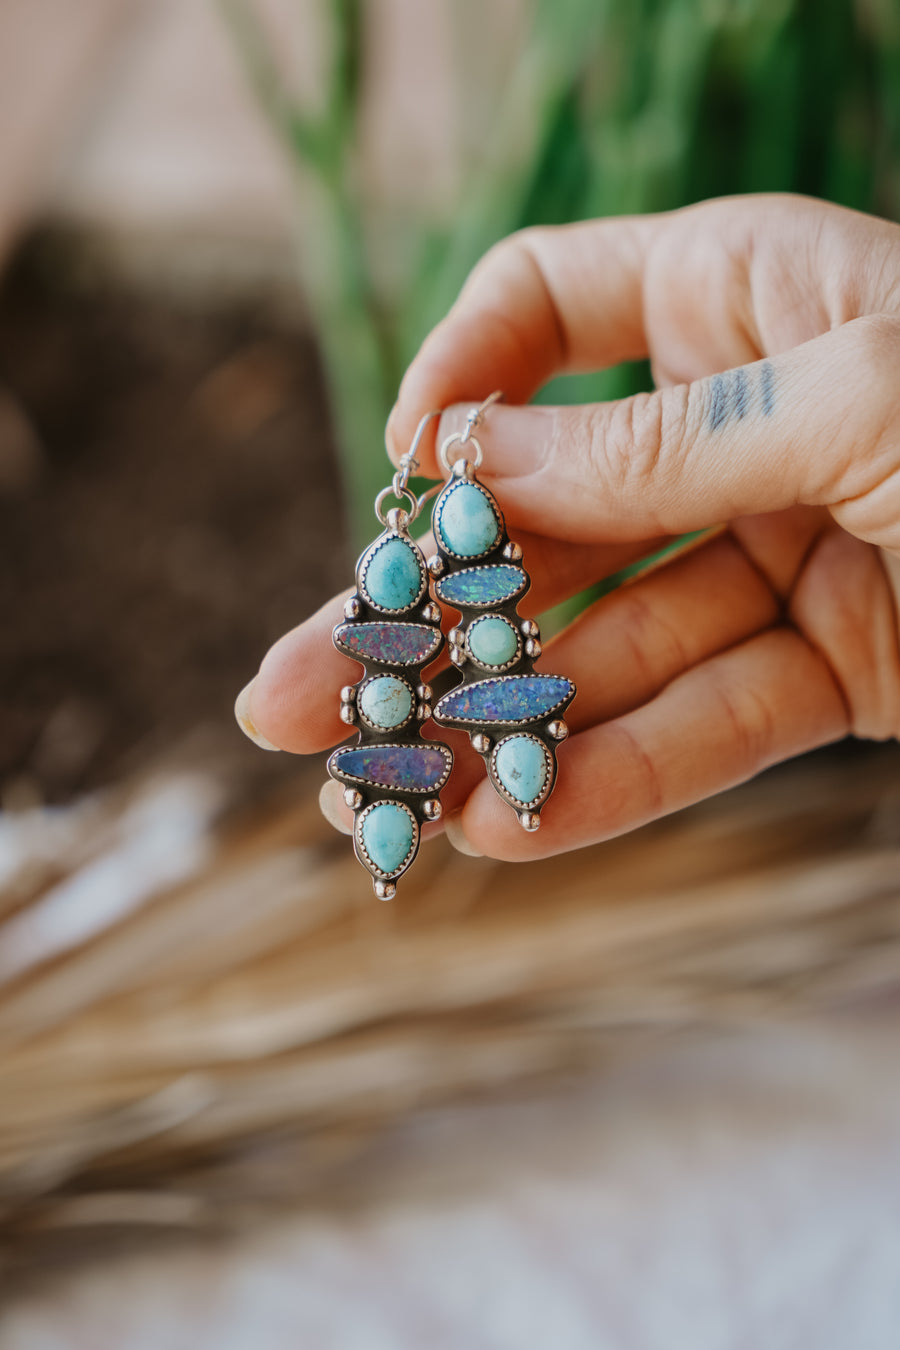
[{"x": 633, "y": 106}]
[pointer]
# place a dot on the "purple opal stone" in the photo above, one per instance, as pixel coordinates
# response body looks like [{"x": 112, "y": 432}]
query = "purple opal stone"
[
  {"x": 510, "y": 698},
  {"x": 393, "y": 644},
  {"x": 407, "y": 768}
]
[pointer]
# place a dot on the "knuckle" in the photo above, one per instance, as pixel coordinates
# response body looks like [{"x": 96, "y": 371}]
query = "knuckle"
[{"x": 640, "y": 439}]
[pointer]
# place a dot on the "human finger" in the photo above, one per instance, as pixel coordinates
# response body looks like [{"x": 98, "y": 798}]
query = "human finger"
[
  {"x": 292, "y": 703},
  {"x": 818, "y": 425},
  {"x": 540, "y": 302},
  {"x": 717, "y": 725}
]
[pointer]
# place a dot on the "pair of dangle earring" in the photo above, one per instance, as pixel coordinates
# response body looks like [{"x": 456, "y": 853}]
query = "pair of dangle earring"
[{"x": 392, "y": 777}]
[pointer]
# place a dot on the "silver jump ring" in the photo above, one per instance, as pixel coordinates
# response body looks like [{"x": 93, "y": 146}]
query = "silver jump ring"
[
  {"x": 403, "y": 494},
  {"x": 462, "y": 439}
]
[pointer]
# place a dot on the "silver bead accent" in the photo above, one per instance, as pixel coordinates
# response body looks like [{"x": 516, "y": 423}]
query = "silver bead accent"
[
  {"x": 435, "y": 565},
  {"x": 432, "y": 809},
  {"x": 513, "y": 552},
  {"x": 480, "y": 742},
  {"x": 385, "y": 890},
  {"x": 352, "y": 798},
  {"x": 533, "y": 648},
  {"x": 457, "y": 656},
  {"x": 456, "y": 637},
  {"x": 348, "y": 713},
  {"x": 425, "y": 693},
  {"x": 463, "y": 468},
  {"x": 398, "y": 519},
  {"x": 423, "y": 711},
  {"x": 530, "y": 821},
  {"x": 431, "y": 613},
  {"x": 348, "y": 693},
  {"x": 353, "y": 608},
  {"x": 557, "y": 729},
  {"x": 530, "y": 628}
]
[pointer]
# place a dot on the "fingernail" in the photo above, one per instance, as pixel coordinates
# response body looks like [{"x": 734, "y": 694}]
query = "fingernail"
[
  {"x": 456, "y": 835},
  {"x": 516, "y": 440},
  {"x": 245, "y": 721},
  {"x": 331, "y": 804}
]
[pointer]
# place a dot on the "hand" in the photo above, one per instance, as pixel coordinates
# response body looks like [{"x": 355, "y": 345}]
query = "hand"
[{"x": 773, "y": 327}]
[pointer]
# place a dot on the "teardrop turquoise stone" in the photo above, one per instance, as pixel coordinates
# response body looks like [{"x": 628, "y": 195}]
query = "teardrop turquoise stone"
[
  {"x": 508, "y": 698},
  {"x": 386, "y": 701},
  {"x": 481, "y": 586},
  {"x": 465, "y": 521},
  {"x": 387, "y": 833},
  {"x": 520, "y": 763},
  {"x": 493, "y": 641},
  {"x": 393, "y": 578}
]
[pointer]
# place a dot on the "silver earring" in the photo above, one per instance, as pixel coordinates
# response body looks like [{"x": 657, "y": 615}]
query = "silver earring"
[
  {"x": 392, "y": 775},
  {"x": 513, "y": 713}
]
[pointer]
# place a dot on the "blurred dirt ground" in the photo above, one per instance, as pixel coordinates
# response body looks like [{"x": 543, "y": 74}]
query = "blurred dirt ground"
[{"x": 169, "y": 504}]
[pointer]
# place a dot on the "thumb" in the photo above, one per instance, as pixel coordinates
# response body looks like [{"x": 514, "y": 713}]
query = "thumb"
[{"x": 817, "y": 425}]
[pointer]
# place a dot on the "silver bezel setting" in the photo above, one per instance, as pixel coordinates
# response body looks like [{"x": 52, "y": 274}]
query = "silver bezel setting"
[
  {"x": 534, "y": 805},
  {"x": 483, "y": 665},
  {"x": 362, "y": 852},
  {"x": 439, "y": 509},
  {"x": 343, "y": 776},
  {"x": 495, "y": 602},
  {"x": 434, "y": 639},
  {"x": 365, "y": 563},
  {"x": 376, "y": 726},
  {"x": 445, "y": 719}
]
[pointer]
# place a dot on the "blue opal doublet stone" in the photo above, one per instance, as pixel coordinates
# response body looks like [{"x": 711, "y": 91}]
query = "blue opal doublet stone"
[
  {"x": 387, "y": 833},
  {"x": 407, "y": 768},
  {"x": 493, "y": 641},
  {"x": 509, "y": 698},
  {"x": 477, "y": 587},
  {"x": 522, "y": 765},
  {"x": 386, "y": 702},
  {"x": 392, "y": 576},
  {"x": 393, "y": 644},
  {"x": 466, "y": 521}
]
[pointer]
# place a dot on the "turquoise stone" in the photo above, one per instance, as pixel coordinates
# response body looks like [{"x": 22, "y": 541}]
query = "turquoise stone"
[
  {"x": 520, "y": 763},
  {"x": 393, "y": 644},
  {"x": 465, "y": 521},
  {"x": 387, "y": 833},
  {"x": 480, "y": 587},
  {"x": 493, "y": 641},
  {"x": 408, "y": 768},
  {"x": 393, "y": 577},
  {"x": 386, "y": 701},
  {"x": 508, "y": 698}
]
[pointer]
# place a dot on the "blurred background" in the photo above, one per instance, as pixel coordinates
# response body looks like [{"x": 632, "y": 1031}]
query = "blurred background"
[{"x": 646, "y": 1096}]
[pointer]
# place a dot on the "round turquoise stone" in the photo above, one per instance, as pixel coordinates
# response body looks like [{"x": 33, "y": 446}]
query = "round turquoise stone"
[
  {"x": 493, "y": 641},
  {"x": 466, "y": 521},
  {"x": 387, "y": 833},
  {"x": 393, "y": 577},
  {"x": 520, "y": 763},
  {"x": 386, "y": 701}
]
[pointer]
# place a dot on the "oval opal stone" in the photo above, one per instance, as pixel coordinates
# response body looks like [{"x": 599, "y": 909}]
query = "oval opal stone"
[
  {"x": 493, "y": 641},
  {"x": 521, "y": 765},
  {"x": 386, "y": 701},
  {"x": 481, "y": 586},
  {"x": 465, "y": 521},
  {"x": 387, "y": 833},
  {"x": 393, "y": 644},
  {"x": 508, "y": 698},
  {"x": 408, "y": 768},
  {"x": 393, "y": 577}
]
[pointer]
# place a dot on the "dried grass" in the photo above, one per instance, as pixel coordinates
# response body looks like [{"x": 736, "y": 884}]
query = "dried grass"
[{"x": 170, "y": 1008}]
